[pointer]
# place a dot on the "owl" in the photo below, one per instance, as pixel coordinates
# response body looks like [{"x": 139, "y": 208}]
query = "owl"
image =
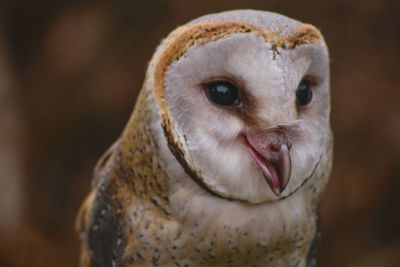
[{"x": 226, "y": 155}]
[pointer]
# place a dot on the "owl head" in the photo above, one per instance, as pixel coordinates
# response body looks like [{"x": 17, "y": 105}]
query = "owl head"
[{"x": 244, "y": 102}]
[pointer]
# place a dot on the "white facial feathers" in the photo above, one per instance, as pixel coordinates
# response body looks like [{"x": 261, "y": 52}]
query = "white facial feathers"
[{"x": 266, "y": 57}]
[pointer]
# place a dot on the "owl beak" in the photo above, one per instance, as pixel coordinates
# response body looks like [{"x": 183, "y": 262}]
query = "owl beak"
[{"x": 272, "y": 156}]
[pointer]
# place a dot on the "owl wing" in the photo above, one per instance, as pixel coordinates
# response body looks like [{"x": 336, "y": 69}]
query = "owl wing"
[{"x": 100, "y": 219}]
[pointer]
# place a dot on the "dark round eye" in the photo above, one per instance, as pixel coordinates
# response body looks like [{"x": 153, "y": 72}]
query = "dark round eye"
[
  {"x": 304, "y": 93},
  {"x": 223, "y": 93}
]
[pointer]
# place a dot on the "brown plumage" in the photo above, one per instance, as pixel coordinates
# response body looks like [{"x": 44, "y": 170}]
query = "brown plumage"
[{"x": 153, "y": 203}]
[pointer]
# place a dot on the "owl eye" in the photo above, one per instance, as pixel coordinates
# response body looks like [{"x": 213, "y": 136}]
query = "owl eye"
[
  {"x": 222, "y": 93},
  {"x": 304, "y": 93}
]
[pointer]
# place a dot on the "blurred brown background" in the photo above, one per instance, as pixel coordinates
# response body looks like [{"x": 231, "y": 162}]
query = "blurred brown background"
[{"x": 70, "y": 72}]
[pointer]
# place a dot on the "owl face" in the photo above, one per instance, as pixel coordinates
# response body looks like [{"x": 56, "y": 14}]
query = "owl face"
[{"x": 245, "y": 109}]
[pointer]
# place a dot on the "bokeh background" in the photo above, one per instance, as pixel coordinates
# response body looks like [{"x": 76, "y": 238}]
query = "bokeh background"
[{"x": 69, "y": 75}]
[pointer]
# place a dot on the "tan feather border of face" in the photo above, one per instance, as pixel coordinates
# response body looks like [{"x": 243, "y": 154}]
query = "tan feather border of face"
[{"x": 187, "y": 36}]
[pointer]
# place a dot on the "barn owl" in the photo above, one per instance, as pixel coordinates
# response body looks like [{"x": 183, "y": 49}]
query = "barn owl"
[{"x": 226, "y": 155}]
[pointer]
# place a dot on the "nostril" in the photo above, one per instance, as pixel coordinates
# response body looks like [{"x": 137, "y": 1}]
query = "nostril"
[{"x": 275, "y": 147}]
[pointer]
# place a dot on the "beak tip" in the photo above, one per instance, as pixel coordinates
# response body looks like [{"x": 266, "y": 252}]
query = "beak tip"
[{"x": 277, "y": 191}]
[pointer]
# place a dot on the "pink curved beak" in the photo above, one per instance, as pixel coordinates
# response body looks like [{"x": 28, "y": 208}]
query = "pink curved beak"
[{"x": 271, "y": 154}]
